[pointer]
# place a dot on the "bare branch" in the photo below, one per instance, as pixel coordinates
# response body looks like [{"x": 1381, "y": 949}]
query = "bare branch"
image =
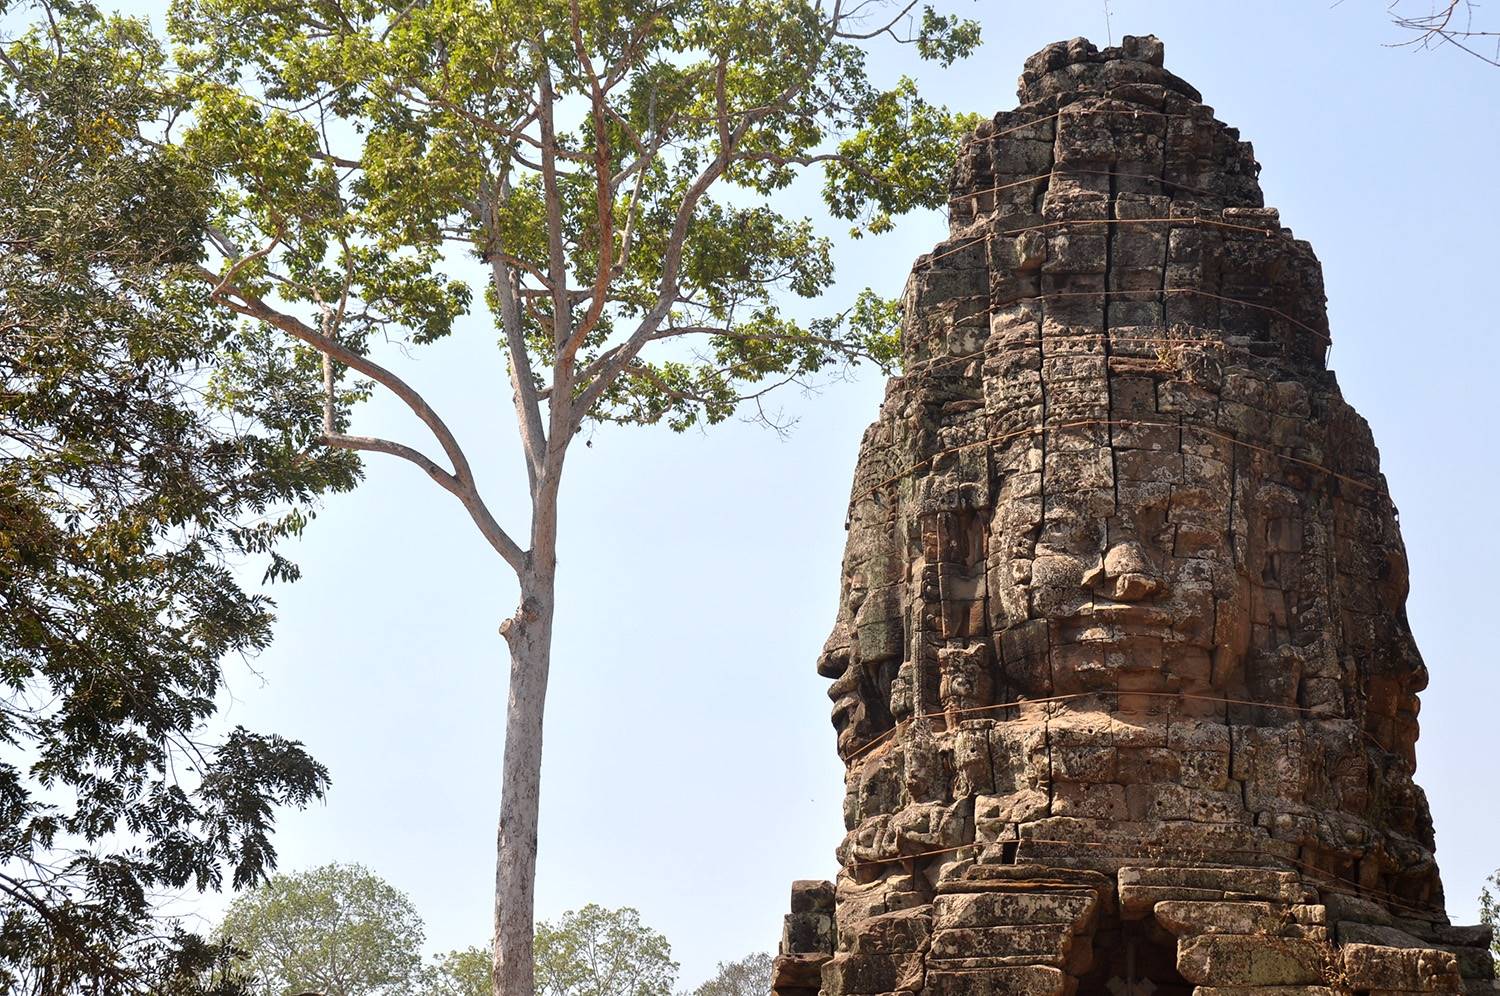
[
  {"x": 557, "y": 264},
  {"x": 244, "y": 261},
  {"x": 464, "y": 492},
  {"x": 372, "y": 444},
  {"x": 644, "y": 162},
  {"x": 1438, "y": 28},
  {"x": 250, "y": 305},
  {"x": 339, "y": 161},
  {"x": 523, "y": 386},
  {"x": 888, "y": 28},
  {"x": 604, "y": 205}
]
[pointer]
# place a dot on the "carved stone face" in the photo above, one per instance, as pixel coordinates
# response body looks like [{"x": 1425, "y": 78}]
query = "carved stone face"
[
  {"x": 864, "y": 650},
  {"x": 1124, "y": 506},
  {"x": 1123, "y": 591}
]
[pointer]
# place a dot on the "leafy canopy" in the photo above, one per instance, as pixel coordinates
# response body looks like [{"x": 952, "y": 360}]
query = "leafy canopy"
[
  {"x": 124, "y": 496},
  {"x": 602, "y": 952},
  {"x": 748, "y": 976},
  {"x": 613, "y": 164},
  {"x": 465, "y": 972},
  {"x": 338, "y": 930}
]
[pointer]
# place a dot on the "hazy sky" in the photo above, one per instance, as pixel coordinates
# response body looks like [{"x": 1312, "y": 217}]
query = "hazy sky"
[{"x": 690, "y": 767}]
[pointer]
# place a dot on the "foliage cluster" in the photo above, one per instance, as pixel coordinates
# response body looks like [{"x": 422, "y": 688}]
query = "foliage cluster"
[
  {"x": 124, "y": 497},
  {"x": 341, "y": 930}
]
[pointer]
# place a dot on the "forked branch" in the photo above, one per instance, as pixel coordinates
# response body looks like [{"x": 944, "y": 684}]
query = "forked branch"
[
  {"x": 1441, "y": 26},
  {"x": 460, "y": 483}
]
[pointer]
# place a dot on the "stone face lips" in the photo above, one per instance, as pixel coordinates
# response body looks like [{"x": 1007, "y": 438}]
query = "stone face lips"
[{"x": 1122, "y": 619}]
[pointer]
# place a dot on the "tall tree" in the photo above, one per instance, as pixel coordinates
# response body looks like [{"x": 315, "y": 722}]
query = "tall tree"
[
  {"x": 601, "y": 952},
  {"x": 336, "y": 930},
  {"x": 123, "y": 493},
  {"x": 612, "y": 167}
]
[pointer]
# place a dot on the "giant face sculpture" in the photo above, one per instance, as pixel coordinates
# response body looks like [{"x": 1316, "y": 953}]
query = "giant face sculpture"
[
  {"x": 1121, "y": 671},
  {"x": 1123, "y": 581}
]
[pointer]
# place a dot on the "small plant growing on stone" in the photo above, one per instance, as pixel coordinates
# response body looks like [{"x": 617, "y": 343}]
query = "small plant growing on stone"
[{"x": 1334, "y": 975}]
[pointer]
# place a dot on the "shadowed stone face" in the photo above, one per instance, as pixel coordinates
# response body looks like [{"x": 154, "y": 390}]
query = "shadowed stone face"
[{"x": 1124, "y": 591}]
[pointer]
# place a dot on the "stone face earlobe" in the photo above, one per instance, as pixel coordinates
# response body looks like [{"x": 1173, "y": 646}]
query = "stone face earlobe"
[{"x": 1122, "y": 674}]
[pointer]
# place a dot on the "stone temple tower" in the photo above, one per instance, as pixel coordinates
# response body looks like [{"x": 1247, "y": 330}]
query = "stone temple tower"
[{"x": 1122, "y": 674}]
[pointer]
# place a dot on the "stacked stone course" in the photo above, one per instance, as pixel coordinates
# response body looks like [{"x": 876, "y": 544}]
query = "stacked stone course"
[{"x": 1122, "y": 672}]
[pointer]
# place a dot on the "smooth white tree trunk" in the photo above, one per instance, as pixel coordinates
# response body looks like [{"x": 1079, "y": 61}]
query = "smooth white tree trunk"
[{"x": 529, "y": 634}]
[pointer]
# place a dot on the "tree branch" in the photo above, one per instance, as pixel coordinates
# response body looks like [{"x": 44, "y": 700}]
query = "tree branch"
[
  {"x": 522, "y": 381},
  {"x": 372, "y": 444},
  {"x": 557, "y": 263},
  {"x": 1437, "y": 28},
  {"x": 603, "y": 204},
  {"x": 885, "y": 29},
  {"x": 253, "y": 307}
]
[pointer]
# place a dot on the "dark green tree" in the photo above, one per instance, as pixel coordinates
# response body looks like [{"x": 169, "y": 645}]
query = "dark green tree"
[{"x": 125, "y": 490}]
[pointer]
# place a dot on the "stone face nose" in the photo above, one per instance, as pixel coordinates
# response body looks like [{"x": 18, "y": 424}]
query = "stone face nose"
[{"x": 1126, "y": 573}]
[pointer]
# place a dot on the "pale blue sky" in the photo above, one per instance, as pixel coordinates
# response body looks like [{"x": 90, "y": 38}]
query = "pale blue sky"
[{"x": 690, "y": 768}]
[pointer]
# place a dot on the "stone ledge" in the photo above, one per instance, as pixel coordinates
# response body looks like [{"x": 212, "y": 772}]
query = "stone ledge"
[
  {"x": 1021, "y": 981},
  {"x": 1228, "y": 960},
  {"x": 1005, "y": 908},
  {"x": 1374, "y": 967}
]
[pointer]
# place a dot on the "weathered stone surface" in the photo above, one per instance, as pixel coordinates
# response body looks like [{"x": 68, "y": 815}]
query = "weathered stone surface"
[
  {"x": 1009, "y": 981},
  {"x": 1186, "y": 919},
  {"x": 1039, "y": 942},
  {"x": 988, "y": 909},
  {"x": 1213, "y": 959},
  {"x": 1373, "y": 966},
  {"x": 810, "y": 896},
  {"x": 1142, "y": 889},
  {"x": 796, "y": 972},
  {"x": 1121, "y": 673},
  {"x": 900, "y": 932},
  {"x": 1264, "y": 991},
  {"x": 807, "y": 932},
  {"x": 872, "y": 973}
]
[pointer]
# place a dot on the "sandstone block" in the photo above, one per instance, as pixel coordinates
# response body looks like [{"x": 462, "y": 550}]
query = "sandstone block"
[
  {"x": 900, "y": 932},
  {"x": 807, "y": 932},
  {"x": 1001, "y": 981},
  {"x": 1046, "y": 944},
  {"x": 1372, "y": 966},
  {"x": 871, "y": 973},
  {"x": 1225, "y": 960},
  {"x": 994, "y": 909},
  {"x": 1187, "y": 919},
  {"x": 1265, "y": 991},
  {"x": 809, "y": 896},
  {"x": 797, "y": 971}
]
